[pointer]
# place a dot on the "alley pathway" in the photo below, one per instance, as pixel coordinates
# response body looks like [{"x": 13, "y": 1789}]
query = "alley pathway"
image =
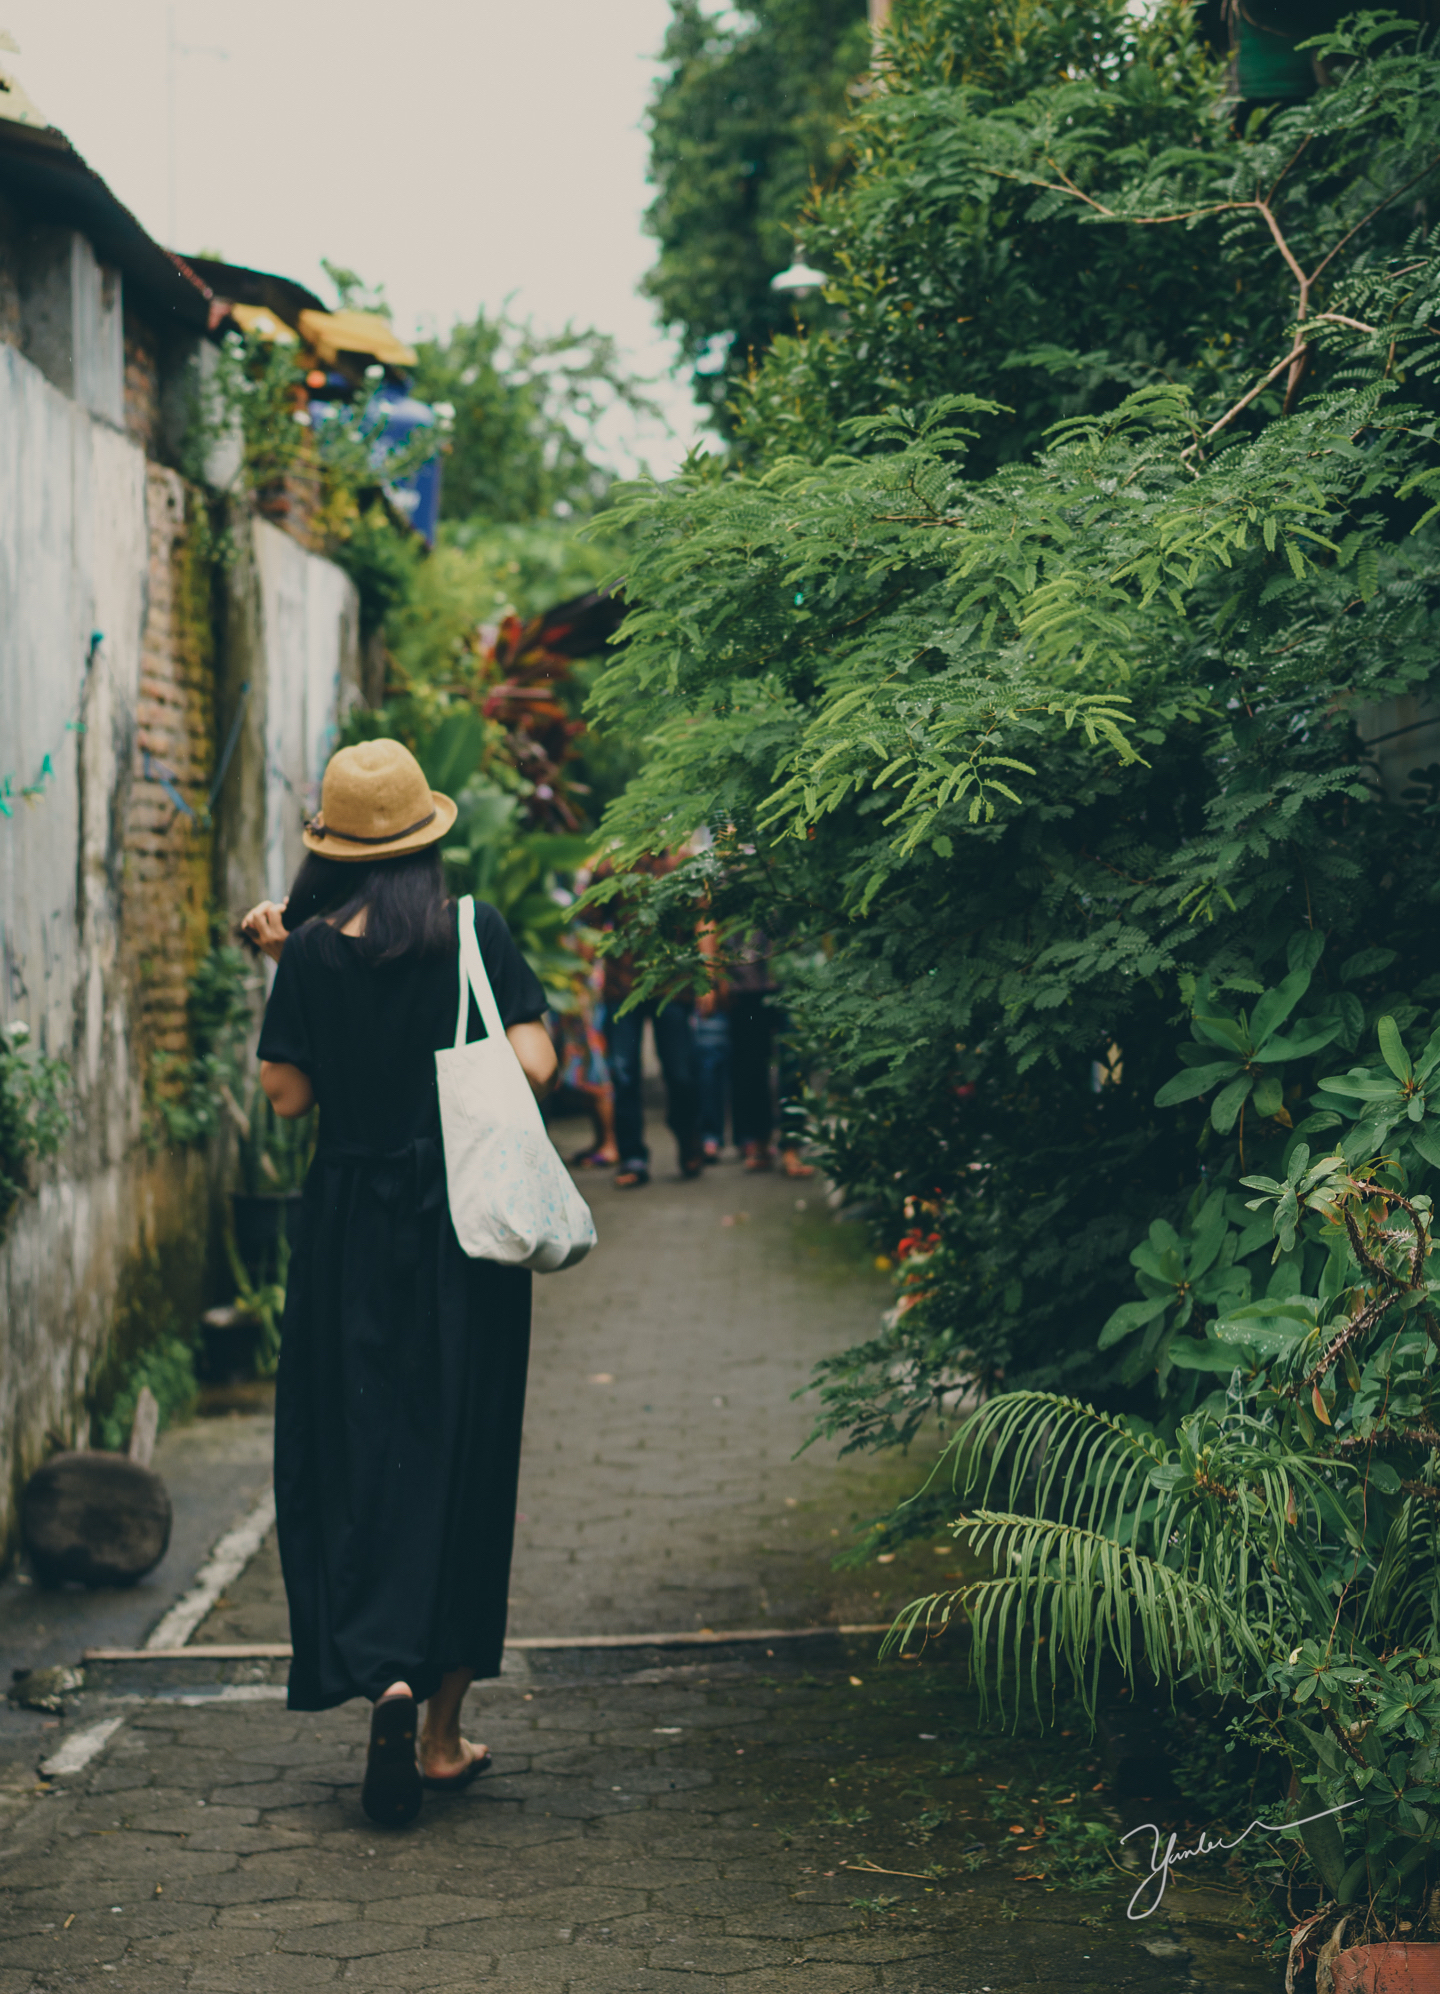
[{"x": 738, "y": 1818}]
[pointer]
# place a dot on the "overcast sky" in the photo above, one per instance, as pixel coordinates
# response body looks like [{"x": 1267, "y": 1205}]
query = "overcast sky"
[{"x": 458, "y": 151}]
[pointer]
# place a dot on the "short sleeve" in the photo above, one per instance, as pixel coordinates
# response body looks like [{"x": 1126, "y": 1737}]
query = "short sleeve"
[
  {"x": 284, "y": 1035},
  {"x": 519, "y": 993}
]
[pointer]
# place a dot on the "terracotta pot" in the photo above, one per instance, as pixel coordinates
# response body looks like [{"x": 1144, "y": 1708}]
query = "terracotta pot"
[{"x": 1395, "y": 1968}]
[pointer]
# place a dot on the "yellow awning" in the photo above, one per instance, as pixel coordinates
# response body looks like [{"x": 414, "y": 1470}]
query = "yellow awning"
[
  {"x": 329, "y": 334},
  {"x": 263, "y": 323}
]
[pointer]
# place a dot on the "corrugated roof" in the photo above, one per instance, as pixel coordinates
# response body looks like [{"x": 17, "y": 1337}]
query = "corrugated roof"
[
  {"x": 40, "y": 167},
  {"x": 239, "y": 284}
]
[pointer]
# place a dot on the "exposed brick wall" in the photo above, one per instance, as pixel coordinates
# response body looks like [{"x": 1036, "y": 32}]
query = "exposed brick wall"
[
  {"x": 142, "y": 385},
  {"x": 167, "y": 854}
]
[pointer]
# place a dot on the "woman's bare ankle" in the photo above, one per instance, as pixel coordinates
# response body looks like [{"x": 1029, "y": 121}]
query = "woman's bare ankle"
[{"x": 395, "y": 1689}]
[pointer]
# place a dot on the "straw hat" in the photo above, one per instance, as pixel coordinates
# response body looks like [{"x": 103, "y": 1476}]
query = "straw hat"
[{"x": 376, "y": 804}]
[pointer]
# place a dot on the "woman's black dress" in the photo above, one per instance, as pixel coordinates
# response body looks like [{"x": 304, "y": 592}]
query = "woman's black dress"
[{"x": 401, "y": 1386}]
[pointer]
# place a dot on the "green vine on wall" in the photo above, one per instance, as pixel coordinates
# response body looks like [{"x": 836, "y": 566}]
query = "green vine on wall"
[
  {"x": 33, "y": 1114},
  {"x": 191, "y": 1098}
]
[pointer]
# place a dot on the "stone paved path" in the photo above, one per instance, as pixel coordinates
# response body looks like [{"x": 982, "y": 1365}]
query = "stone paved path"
[{"x": 744, "y": 1818}]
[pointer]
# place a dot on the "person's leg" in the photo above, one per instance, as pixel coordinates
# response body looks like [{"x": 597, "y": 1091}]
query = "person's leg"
[
  {"x": 792, "y": 1091},
  {"x": 443, "y": 1752},
  {"x": 750, "y": 1076},
  {"x": 675, "y": 1049},
  {"x": 712, "y": 1047},
  {"x": 623, "y": 1048},
  {"x": 602, "y": 1108}
]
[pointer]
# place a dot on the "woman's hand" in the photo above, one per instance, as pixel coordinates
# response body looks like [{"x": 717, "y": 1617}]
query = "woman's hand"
[
  {"x": 266, "y": 928},
  {"x": 535, "y": 1050}
]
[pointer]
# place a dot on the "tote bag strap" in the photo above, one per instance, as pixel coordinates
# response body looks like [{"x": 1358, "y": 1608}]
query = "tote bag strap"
[{"x": 473, "y": 977}]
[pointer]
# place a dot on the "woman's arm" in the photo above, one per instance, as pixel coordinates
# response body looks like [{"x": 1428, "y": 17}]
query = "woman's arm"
[
  {"x": 289, "y": 1089},
  {"x": 535, "y": 1051}
]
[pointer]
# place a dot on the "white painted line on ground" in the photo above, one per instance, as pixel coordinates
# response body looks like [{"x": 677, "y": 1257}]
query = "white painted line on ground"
[
  {"x": 230, "y": 1692},
  {"x": 77, "y": 1751},
  {"x": 225, "y": 1564}
]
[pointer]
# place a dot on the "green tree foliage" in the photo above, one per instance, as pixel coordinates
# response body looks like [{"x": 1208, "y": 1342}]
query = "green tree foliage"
[
  {"x": 1033, "y": 705},
  {"x": 1030, "y": 676},
  {"x": 522, "y": 441},
  {"x": 1282, "y": 1546},
  {"x": 750, "y": 116}
]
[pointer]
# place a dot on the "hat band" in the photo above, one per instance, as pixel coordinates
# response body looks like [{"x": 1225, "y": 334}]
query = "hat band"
[{"x": 319, "y": 829}]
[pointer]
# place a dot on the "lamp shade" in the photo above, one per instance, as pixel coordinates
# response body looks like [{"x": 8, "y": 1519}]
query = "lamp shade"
[{"x": 799, "y": 280}]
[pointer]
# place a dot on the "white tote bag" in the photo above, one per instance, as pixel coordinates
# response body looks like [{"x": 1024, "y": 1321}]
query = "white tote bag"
[{"x": 511, "y": 1198}]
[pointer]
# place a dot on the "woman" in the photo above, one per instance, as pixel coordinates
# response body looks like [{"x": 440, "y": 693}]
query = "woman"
[{"x": 402, "y": 1367}]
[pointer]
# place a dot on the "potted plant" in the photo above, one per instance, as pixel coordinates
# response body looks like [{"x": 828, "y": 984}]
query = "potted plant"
[
  {"x": 1280, "y": 1544},
  {"x": 274, "y": 1156}
]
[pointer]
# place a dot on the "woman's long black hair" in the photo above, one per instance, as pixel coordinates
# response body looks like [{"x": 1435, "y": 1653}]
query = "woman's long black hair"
[{"x": 407, "y": 910}]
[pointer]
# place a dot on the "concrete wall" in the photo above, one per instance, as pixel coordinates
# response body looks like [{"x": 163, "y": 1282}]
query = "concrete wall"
[
  {"x": 121, "y": 637},
  {"x": 291, "y": 659},
  {"x": 73, "y": 560},
  {"x": 310, "y": 624}
]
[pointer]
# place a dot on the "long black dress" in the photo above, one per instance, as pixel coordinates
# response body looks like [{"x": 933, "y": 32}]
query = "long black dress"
[{"x": 401, "y": 1386}]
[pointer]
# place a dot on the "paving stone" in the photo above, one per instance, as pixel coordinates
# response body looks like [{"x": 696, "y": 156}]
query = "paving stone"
[
  {"x": 272, "y": 1973},
  {"x": 354, "y": 1940},
  {"x": 418, "y": 1970},
  {"x": 658, "y": 1821},
  {"x": 600, "y": 1973},
  {"x": 292, "y": 1915},
  {"x": 430, "y": 1908}
]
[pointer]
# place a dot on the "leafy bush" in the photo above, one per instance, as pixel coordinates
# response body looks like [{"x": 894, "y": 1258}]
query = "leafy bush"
[
  {"x": 1027, "y": 711},
  {"x": 193, "y": 1097},
  {"x": 167, "y": 1366},
  {"x": 33, "y": 1116}
]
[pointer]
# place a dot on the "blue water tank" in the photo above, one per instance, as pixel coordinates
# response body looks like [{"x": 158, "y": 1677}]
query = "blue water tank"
[{"x": 417, "y": 496}]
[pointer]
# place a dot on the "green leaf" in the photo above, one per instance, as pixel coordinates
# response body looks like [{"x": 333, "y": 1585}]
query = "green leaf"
[
  {"x": 1277, "y": 1004},
  {"x": 1304, "y": 949},
  {"x": 1369, "y": 962},
  {"x": 1189, "y": 1354},
  {"x": 1227, "y": 1105},
  {"x": 1309, "y": 1037},
  {"x": 1269, "y": 1096},
  {"x": 1190, "y": 1085},
  {"x": 1224, "y": 1032},
  {"x": 1392, "y": 1048},
  {"x": 1129, "y": 1317}
]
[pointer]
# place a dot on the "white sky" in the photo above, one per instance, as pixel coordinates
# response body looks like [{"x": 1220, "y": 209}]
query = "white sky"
[{"x": 458, "y": 151}]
